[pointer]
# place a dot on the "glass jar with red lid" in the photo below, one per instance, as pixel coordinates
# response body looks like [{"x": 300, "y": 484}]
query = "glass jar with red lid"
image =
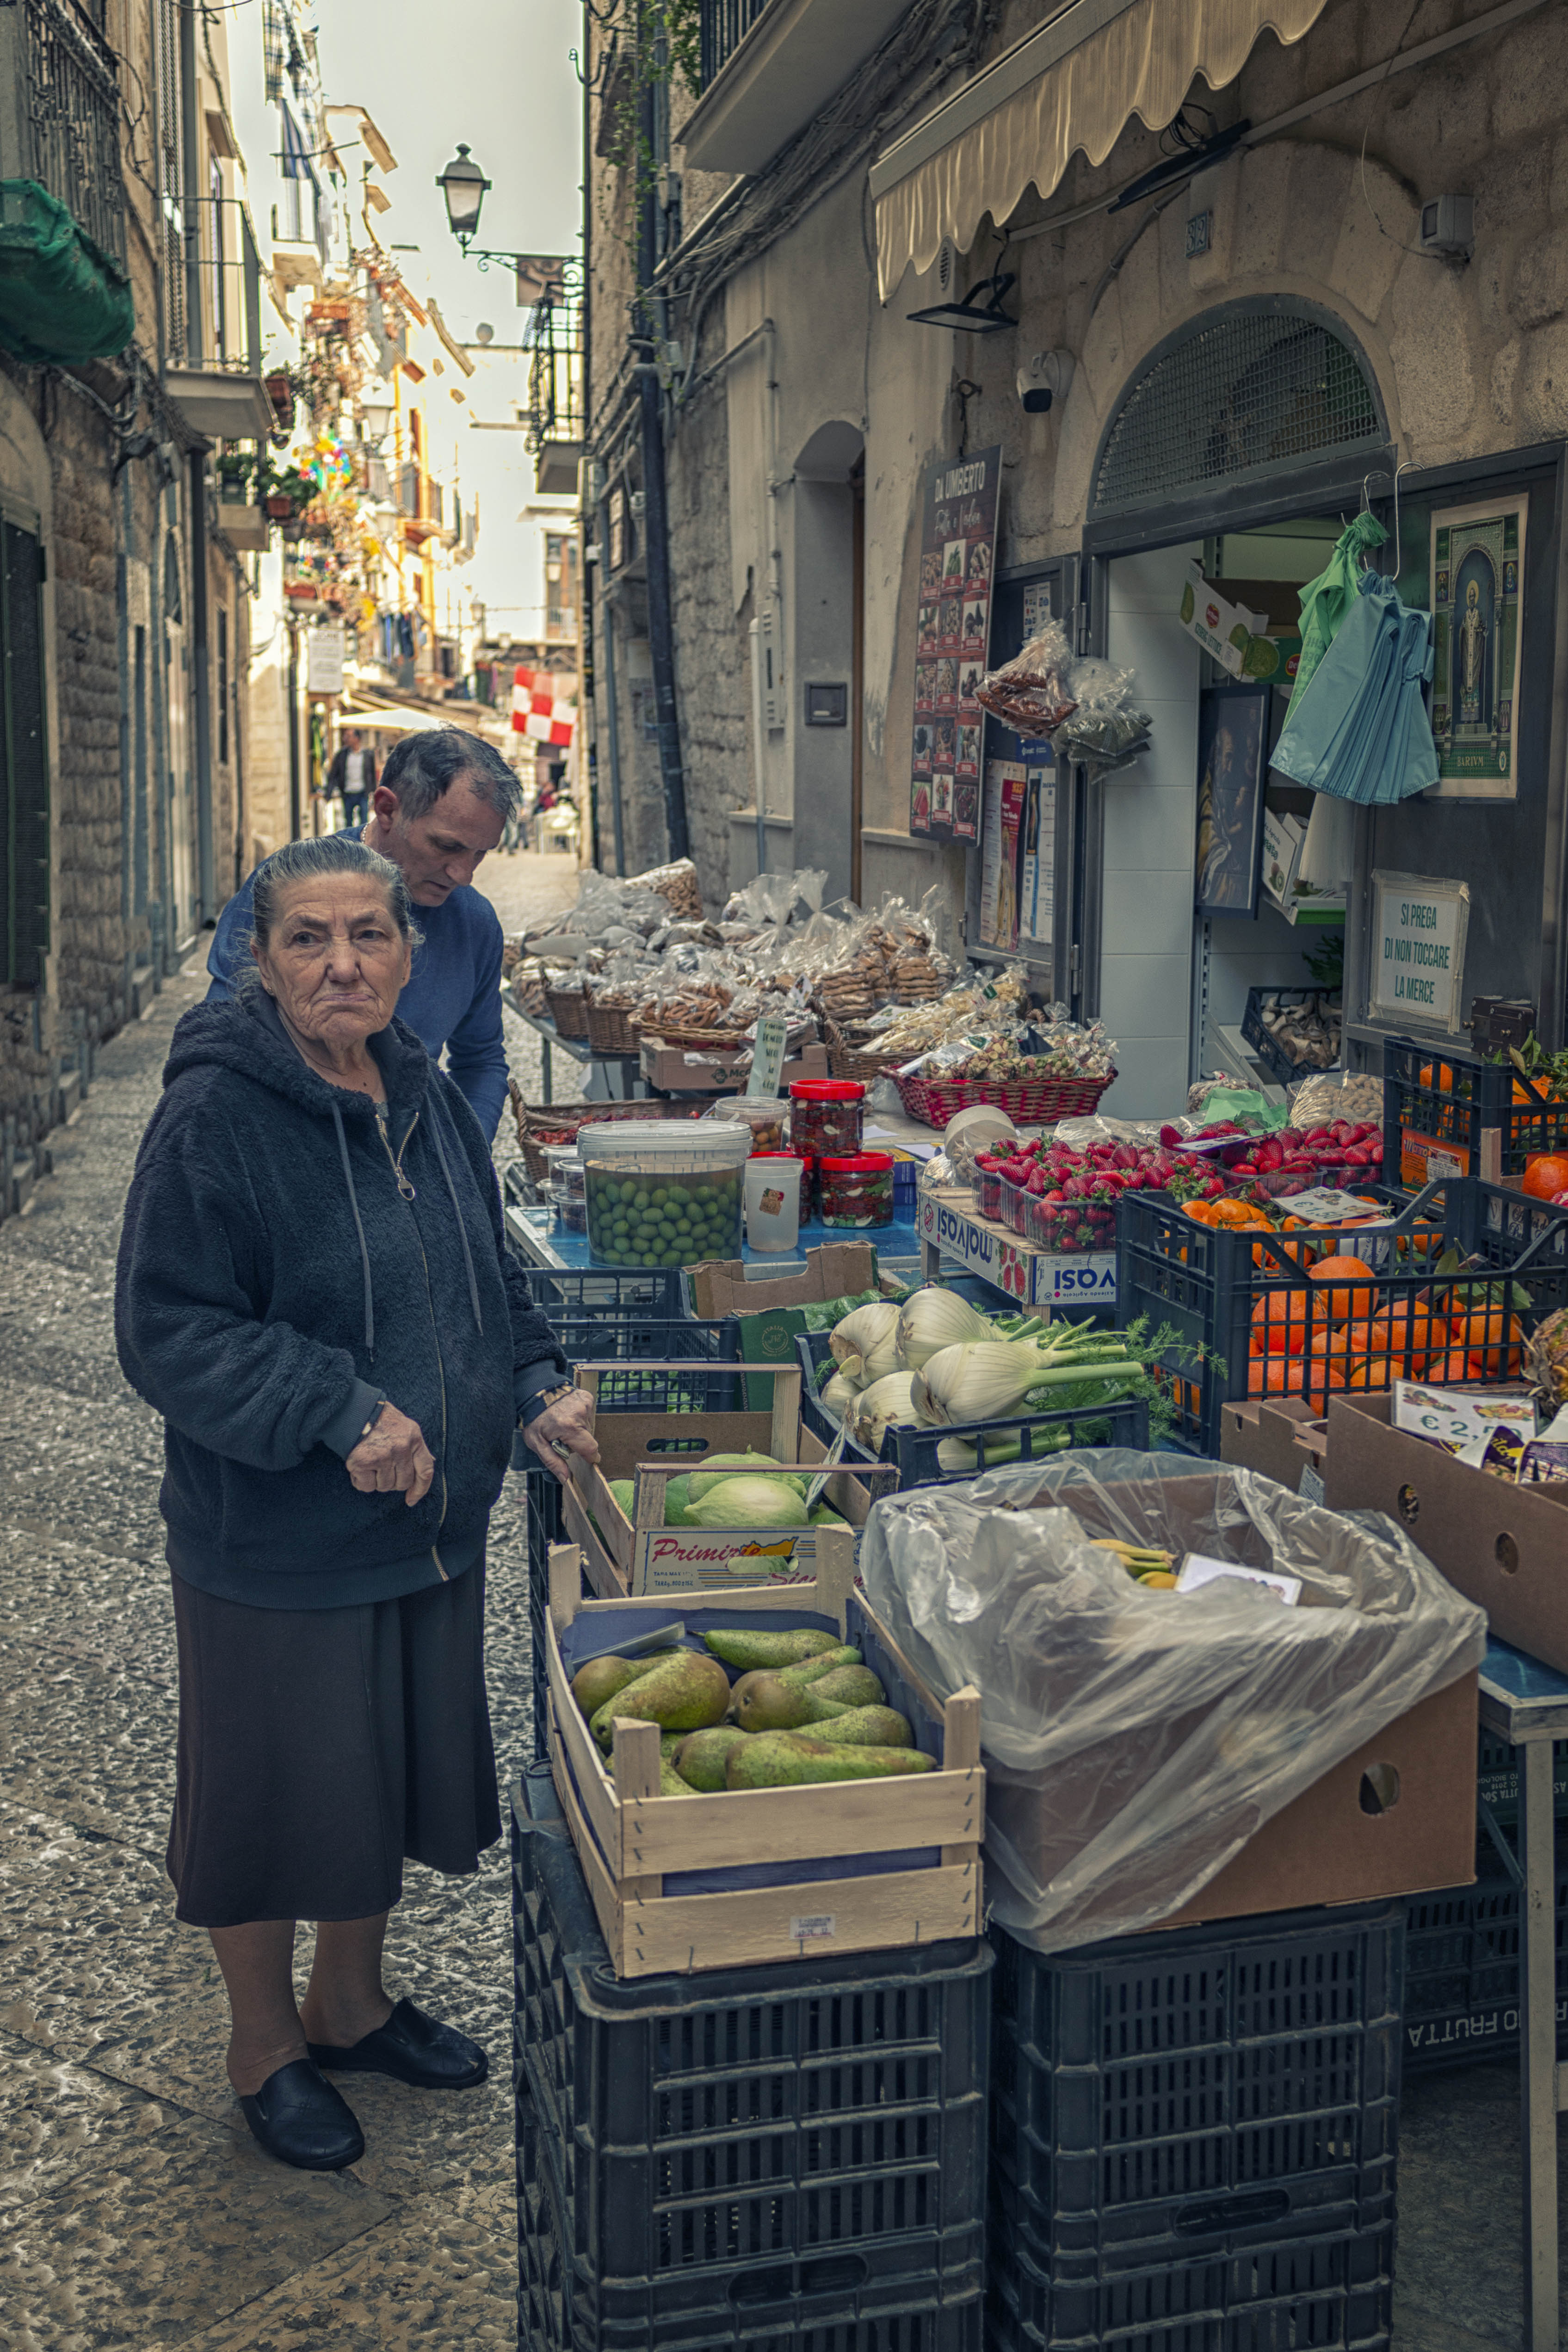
[
  {"x": 826, "y": 1116},
  {"x": 856, "y": 1189},
  {"x": 804, "y": 1167}
]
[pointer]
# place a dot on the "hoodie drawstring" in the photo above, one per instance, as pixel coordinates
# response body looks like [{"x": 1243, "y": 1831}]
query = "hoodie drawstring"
[
  {"x": 359, "y": 1228},
  {"x": 456, "y": 1211}
]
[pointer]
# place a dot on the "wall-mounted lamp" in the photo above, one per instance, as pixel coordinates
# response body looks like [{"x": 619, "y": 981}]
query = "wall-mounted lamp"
[{"x": 971, "y": 316}]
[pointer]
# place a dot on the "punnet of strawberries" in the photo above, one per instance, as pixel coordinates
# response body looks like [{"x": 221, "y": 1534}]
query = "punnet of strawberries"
[{"x": 1063, "y": 1197}]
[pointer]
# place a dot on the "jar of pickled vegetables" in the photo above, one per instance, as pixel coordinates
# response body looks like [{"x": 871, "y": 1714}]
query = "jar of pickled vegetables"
[
  {"x": 764, "y": 1115},
  {"x": 856, "y": 1189},
  {"x": 826, "y": 1117},
  {"x": 664, "y": 1191}
]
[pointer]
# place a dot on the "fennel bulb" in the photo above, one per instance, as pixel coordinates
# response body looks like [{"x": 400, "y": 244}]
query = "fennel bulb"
[
  {"x": 838, "y": 1396},
  {"x": 933, "y": 1319},
  {"x": 886, "y": 1404},
  {"x": 864, "y": 1344}
]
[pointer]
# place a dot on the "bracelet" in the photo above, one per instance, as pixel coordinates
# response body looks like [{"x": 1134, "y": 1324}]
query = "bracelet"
[
  {"x": 376, "y": 1413},
  {"x": 545, "y": 1397}
]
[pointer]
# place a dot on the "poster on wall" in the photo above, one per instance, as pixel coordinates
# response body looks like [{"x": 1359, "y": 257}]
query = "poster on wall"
[
  {"x": 1000, "y": 832},
  {"x": 1420, "y": 923},
  {"x": 1477, "y": 570},
  {"x": 952, "y": 632},
  {"x": 1233, "y": 759},
  {"x": 1037, "y": 871}
]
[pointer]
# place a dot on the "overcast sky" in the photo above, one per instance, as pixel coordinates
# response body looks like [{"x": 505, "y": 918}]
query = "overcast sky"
[{"x": 497, "y": 74}]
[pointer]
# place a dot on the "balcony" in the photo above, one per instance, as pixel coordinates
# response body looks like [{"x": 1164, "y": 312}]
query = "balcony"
[
  {"x": 213, "y": 321},
  {"x": 64, "y": 296},
  {"x": 71, "y": 117},
  {"x": 301, "y": 236},
  {"x": 769, "y": 67}
]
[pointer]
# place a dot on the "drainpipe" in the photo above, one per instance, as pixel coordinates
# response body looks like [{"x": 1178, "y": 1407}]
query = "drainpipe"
[
  {"x": 604, "y": 654},
  {"x": 655, "y": 510}
]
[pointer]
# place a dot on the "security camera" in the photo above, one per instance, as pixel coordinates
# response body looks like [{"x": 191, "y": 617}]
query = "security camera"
[{"x": 1043, "y": 379}]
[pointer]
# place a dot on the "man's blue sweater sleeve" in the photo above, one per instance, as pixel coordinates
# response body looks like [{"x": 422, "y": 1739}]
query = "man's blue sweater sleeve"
[
  {"x": 476, "y": 1049},
  {"x": 230, "y": 949}
]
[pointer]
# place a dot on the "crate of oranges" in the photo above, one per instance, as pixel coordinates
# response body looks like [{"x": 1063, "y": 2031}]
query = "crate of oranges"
[
  {"x": 1444, "y": 1287},
  {"x": 1452, "y": 1114}
]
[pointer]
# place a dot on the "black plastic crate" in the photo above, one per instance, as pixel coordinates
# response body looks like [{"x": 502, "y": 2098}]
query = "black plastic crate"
[
  {"x": 1496, "y": 1778},
  {"x": 913, "y": 1451},
  {"x": 624, "y": 1315},
  {"x": 1197, "y": 2095},
  {"x": 1276, "y": 1061},
  {"x": 1332, "y": 2293},
  {"x": 1462, "y": 1993},
  {"x": 790, "y": 2147},
  {"x": 1204, "y": 1283},
  {"x": 546, "y": 1527},
  {"x": 1442, "y": 1110}
]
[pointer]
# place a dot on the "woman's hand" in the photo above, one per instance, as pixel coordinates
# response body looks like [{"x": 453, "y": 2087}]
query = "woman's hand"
[
  {"x": 394, "y": 1459},
  {"x": 563, "y": 1423}
]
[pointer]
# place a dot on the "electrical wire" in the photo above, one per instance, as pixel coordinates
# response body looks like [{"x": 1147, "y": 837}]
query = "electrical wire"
[{"x": 1366, "y": 191}]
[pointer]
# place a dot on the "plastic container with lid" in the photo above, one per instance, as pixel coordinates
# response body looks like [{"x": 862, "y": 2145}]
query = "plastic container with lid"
[
  {"x": 805, "y": 1178},
  {"x": 826, "y": 1117},
  {"x": 563, "y": 1167},
  {"x": 856, "y": 1190},
  {"x": 664, "y": 1191},
  {"x": 764, "y": 1114},
  {"x": 773, "y": 1200}
]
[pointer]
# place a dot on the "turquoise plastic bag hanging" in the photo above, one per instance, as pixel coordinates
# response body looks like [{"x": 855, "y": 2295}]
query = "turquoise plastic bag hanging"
[
  {"x": 1363, "y": 733},
  {"x": 1326, "y": 600}
]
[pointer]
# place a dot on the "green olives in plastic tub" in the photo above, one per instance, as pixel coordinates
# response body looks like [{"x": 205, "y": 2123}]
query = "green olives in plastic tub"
[{"x": 664, "y": 1192}]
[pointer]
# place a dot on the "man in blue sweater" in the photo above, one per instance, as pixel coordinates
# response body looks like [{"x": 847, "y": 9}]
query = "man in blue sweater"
[{"x": 443, "y": 799}]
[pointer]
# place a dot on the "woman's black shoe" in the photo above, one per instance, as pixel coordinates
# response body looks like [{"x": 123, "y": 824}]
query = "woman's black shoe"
[
  {"x": 415, "y": 2048},
  {"x": 301, "y": 2119}
]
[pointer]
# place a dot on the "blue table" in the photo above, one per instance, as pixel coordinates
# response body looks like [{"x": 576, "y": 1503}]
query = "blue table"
[
  {"x": 539, "y": 1234},
  {"x": 1527, "y": 1703}
]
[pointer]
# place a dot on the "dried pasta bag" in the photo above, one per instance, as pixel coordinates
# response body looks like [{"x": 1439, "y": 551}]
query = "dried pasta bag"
[{"x": 1136, "y": 1738}]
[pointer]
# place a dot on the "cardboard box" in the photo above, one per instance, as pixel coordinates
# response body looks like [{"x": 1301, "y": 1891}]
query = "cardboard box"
[
  {"x": 738, "y": 1877},
  {"x": 1279, "y": 1439},
  {"x": 1338, "y": 1842},
  {"x": 668, "y": 1068},
  {"x": 1070, "y": 1281},
  {"x": 640, "y": 1556},
  {"x": 1501, "y": 1546},
  {"x": 770, "y": 1310}
]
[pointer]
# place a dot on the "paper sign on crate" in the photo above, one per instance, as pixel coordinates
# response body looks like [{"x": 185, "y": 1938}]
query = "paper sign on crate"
[{"x": 1033, "y": 1278}]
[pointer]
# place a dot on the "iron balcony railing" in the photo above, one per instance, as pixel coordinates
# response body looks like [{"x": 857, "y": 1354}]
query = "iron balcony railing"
[
  {"x": 725, "y": 25},
  {"x": 212, "y": 250},
  {"x": 555, "y": 407},
  {"x": 408, "y": 488},
  {"x": 73, "y": 120}
]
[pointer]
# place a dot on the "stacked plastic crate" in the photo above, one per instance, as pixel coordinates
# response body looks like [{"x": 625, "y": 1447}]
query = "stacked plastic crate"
[
  {"x": 788, "y": 2157},
  {"x": 1194, "y": 2138}
]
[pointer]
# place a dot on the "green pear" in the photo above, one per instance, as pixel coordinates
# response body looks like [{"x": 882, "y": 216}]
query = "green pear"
[
  {"x": 682, "y": 1692},
  {"x": 744, "y": 1646},
  {"x": 704, "y": 1754},
  {"x": 781, "y": 1761}
]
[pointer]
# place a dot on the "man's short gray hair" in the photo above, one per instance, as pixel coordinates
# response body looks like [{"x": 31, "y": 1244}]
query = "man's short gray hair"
[{"x": 422, "y": 768}]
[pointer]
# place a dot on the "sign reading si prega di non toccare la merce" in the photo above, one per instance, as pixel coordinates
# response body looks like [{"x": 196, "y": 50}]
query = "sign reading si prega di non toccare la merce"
[{"x": 1419, "y": 928}]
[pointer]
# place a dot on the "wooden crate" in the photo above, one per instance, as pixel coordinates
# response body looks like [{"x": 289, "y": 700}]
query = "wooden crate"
[
  {"x": 636, "y": 1847},
  {"x": 641, "y": 1556}
]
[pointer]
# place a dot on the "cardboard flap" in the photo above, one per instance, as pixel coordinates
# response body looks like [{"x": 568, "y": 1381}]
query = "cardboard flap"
[{"x": 833, "y": 1270}]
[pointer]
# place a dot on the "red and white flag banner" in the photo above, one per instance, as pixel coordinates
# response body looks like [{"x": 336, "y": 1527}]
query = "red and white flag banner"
[{"x": 535, "y": 712}]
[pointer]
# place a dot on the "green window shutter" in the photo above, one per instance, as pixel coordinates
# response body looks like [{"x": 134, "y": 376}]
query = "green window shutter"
[{"x": 24, "y": 761}]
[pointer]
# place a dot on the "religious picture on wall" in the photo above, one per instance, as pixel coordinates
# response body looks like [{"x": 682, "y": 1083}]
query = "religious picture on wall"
[
  {"x": 1477, "y": 568},
  {"x": 952, "y": 629},
  {"x": 1233, "y": 761}
]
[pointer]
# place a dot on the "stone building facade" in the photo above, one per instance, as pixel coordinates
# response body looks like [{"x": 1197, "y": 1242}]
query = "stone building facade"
[{"x": 795, "y": 378}]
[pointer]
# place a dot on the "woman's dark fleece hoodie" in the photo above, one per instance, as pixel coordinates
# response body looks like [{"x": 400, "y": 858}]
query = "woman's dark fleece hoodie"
[{"x": 279, "y": 1274}]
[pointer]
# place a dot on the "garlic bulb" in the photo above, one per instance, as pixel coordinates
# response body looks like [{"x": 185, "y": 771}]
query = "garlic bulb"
[
  {"x": 933, "y": 1319},
  {"x": 870, "y": 1335}
]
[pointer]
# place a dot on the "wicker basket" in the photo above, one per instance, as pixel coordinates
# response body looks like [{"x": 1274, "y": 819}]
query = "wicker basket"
[
  {"x": 563, "y": 1122},
  {"x": 1031, "y": 1103},
  {"x": 568, "y": 1009},
  {"x": 721, "y": 1041},
  {"x": 611, "y": 1028},
  {"x": 847, "y": 1061}
]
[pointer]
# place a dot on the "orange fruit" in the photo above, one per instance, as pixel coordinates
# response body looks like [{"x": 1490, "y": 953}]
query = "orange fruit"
[
  {"x": 1497, "y": 1362},
  {"x": 1544, "y": 1176},
  {"x": 1446, "y": 1370},
  {"x": 1444, "y": 1080},
  {"x": 1486, "y": 1323},
  {"x": 1279, "y": 1324},
  {"x": 1270, "y": 1375},
  {"x": 1416, "y": 1333},
  {"x": 1344, "y": 1305}
]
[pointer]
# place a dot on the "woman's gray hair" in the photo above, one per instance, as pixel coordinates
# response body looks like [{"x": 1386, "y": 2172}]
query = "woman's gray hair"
[{"x": 311, "y": 861}]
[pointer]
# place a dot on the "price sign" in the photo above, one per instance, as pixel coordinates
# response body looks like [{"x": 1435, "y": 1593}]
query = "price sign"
[
  {"x": 767, "y": 1060},
  {"x": 1418, "y": 929}
]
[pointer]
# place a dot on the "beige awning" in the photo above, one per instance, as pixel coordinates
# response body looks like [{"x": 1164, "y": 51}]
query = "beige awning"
[{"x": 1073, "y": 83}]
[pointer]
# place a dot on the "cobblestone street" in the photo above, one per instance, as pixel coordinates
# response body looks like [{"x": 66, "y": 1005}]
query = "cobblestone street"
[{"x": 135, "y": 2209}]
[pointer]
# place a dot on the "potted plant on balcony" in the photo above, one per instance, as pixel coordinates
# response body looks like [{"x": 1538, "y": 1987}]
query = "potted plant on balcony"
[
  {"x": 288, "y": 492},
  {"x": 283, "y": 389}
]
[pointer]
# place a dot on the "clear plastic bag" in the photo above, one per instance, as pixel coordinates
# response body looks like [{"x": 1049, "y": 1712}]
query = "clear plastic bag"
[
  {"x": 1031, "y": 693},
  {"x": 1135, "y": 1739}
]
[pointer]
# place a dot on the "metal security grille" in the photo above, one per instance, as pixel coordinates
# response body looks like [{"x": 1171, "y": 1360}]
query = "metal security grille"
[{"x": 1245, "y": 392}]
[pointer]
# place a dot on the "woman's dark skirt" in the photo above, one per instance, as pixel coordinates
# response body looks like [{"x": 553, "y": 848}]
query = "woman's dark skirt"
[{"x": 319, "y": 1748}]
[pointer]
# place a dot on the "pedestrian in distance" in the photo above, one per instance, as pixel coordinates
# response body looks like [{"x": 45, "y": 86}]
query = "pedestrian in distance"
[
  {"x": 438, "y": 809},
  {"x": 352, "y": 776},
  {"x": 314, "y": 1291}
]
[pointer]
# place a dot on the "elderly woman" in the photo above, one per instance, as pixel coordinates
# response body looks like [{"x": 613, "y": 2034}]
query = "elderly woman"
[{"x": 314, "y": 1292}]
